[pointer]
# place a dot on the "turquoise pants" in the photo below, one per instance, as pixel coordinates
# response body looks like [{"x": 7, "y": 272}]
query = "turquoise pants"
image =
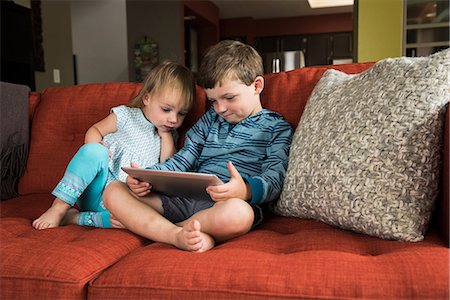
[{"x": 83, "y": 183}]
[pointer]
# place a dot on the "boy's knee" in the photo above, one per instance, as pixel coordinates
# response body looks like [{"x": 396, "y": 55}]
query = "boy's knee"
[
  {"x": 110, "y": 192},
  {"x": 237, "y": 215}
]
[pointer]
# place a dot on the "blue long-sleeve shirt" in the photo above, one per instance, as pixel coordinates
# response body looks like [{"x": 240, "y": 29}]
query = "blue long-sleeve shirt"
[{"x": 258, "y": 147}]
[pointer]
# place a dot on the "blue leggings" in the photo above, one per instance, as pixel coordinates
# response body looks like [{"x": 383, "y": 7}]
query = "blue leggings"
[{"x": 84, "y": 182}]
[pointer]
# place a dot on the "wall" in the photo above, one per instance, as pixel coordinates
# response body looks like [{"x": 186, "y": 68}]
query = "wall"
[
  {"x": 57, "y": 43},
  {"x": 380, "y": 29},
  {"x": 99, "y": 37},
  {"x": 206, "y": 25},
  {"x": 160, "y": 20}
]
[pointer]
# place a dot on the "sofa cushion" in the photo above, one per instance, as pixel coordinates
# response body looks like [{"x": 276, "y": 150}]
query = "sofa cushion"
[
  {"x": 284, "y": 258},
  {"x": 54, "y": 263},
  {"x": 61, "y": 120},
  {"x": 288, "y": 92},
  {"x": 366, "y": 153}
]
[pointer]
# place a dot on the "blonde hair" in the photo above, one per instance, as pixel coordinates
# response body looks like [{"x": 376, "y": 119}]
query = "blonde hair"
[
  {"x": 231, "y": 60},
  {"x": 167, "y": 75}
]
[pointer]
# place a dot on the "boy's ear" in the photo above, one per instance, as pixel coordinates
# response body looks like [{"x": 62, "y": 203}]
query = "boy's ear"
[{"x": 259, "y": 84}]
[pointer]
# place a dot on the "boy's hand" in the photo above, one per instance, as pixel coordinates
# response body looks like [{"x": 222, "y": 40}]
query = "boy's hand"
[
  {"x": 140, "y": 188},
  {"x": 235, "y": 188}
]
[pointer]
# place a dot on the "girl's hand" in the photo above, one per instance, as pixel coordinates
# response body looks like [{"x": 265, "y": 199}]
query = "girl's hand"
[
  {"x": 235, "y": 188},
  {"x": 163, "y": 132},
  {"x": 104, "y": 144},
  {"x": 140, "y": 188}
]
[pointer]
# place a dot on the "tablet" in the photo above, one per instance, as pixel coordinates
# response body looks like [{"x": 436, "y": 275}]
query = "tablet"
[{"x": 183, "y": 184}]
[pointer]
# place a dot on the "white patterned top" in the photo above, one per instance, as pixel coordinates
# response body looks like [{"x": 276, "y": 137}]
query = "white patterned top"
[{"x": 136, "y": 140}]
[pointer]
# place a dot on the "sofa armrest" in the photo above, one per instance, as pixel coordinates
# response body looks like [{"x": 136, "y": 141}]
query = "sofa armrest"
[
  {"x": 444, "y": 193},
  {"x": 33, "y": 100}
]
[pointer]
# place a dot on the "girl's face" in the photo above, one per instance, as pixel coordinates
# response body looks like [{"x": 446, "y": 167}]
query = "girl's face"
[{"x": 165, "y": 109}]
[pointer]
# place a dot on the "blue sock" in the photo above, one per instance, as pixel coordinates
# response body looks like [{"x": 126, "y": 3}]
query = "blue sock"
[{"x": 95, "y": 219}]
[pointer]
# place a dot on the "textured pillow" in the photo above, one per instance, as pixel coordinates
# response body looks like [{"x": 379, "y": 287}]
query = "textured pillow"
[{"x": 365, "y": 155}]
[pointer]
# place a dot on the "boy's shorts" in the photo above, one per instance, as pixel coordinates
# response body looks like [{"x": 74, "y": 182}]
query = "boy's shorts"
[{"x": 178, "y": 209}]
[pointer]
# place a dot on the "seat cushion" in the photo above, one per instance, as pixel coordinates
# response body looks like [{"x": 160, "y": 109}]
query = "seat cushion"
[
  {"x": 53, "y": 263},
  {"x": 284, "y": 258}
]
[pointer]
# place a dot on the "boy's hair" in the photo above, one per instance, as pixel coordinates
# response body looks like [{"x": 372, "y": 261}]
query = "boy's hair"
[
  {"x": 167, "y": 75},
  {"x": 229, "y": 60}
]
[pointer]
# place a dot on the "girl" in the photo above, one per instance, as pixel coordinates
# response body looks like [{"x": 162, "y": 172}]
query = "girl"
[{"x": 141, "y": 133}]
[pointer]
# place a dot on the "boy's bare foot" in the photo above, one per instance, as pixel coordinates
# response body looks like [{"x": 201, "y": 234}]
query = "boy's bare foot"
[
  {"x": 53, "y": 216},
  {"x": 192, "y": 239},
  {"x": 71, "y": 217}
]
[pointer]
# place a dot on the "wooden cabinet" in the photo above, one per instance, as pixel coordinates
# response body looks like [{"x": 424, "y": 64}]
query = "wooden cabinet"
[
  {"x": 342, "y": 44},
  {"x": 319, "y": 49}
]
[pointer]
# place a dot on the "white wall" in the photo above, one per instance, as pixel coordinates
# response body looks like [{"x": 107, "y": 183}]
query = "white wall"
[
  {"x": 99, "y": 39},
  {"x": 57, "y": 43}
]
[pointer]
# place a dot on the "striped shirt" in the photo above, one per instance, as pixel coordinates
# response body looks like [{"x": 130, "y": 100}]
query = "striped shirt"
[{"x": 258, "y": 147}]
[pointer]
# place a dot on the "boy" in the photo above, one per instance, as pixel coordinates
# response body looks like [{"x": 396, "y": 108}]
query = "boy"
[{"x": 245, "y": 145}]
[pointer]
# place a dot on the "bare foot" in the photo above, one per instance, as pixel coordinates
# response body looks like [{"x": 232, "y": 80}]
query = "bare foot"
[
  {"x": 192, "y": 239},
  {"x": 71, "y": 217},
  {"x": 53, "y": 216},
  {"x": 116, "y": 223}
]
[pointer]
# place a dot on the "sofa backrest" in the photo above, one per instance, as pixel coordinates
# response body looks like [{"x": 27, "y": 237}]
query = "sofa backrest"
[
  {"x": 60, "y": 120},
  {"x": 61, "y": 116},
  {"x": 288, "y": 92}
]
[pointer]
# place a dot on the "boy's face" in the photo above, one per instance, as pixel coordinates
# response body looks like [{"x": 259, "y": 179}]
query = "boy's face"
[{"x": 234, "y": 101}]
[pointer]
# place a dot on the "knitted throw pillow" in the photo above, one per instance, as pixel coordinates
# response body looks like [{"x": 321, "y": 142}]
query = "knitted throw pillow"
[{"x": 365, "y": 155}]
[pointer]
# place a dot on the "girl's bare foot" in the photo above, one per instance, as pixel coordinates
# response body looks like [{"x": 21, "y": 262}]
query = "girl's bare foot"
[
  {"x": 116, "y": 223},
  {"x": 53, "y": 216},
  {"x": 71, "y": 217},
  {"x": 192, "y": 239}
]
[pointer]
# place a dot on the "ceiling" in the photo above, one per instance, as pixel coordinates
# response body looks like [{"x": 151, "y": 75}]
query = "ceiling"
[{"x": 267, "y": 9}]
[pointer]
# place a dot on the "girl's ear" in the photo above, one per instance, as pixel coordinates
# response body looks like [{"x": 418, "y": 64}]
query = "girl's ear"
[
  {"x": 259, "y": 84},
  {"x": 146, "y": 99}
]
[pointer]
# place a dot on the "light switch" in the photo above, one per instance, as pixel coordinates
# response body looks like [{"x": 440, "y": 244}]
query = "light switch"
[{"x": 56, "y": 77}]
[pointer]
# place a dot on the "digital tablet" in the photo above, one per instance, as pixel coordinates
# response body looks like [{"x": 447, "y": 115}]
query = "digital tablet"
[{"x": 184, "y": 184}]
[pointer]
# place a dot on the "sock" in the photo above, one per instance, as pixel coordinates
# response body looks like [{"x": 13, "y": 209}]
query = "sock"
[{"x": 95, "y": 219}]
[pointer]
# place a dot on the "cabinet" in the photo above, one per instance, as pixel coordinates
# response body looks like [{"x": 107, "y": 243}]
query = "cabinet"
[
  {"x": 279, "y": 44},
  {"x": 311, "y": 50},
  {"x": 342, "y": 45},
  {"x": 426, "y": 27},
  {"x": 318, "y": 50}
]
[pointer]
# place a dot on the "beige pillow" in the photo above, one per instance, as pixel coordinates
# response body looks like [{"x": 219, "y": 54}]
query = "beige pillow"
[{"x": 366, "y": 153}]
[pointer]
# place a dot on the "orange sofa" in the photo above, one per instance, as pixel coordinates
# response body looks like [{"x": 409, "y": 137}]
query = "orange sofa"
[{"x": 284, "y": 258}]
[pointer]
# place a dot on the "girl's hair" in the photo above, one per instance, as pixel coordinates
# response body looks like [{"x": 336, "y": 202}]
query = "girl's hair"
[
  {"x": 232, "y": 60},
  {"x": 167, "y": 75}
]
